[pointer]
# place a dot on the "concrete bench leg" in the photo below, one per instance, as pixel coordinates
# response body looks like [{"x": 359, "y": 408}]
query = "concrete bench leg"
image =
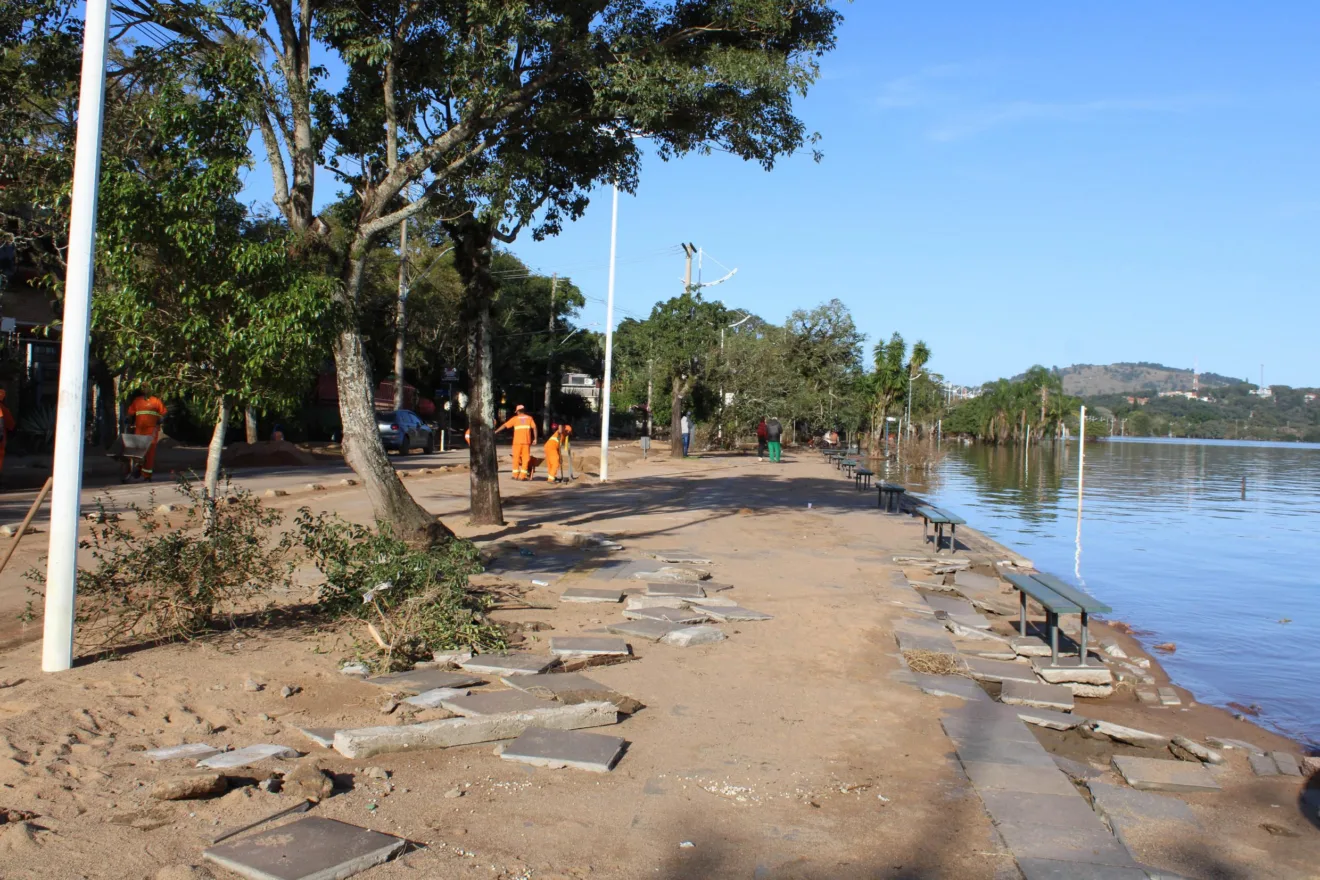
[
  {"x": 953, "y": 538},
  {"x": 1022, "y": 614},
  {"x": 1054, "y": 637},
  {"x": 1084, "y": 627}
]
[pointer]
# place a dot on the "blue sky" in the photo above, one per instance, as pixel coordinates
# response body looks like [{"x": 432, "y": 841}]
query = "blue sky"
[{"x": 1020, "y": 183}]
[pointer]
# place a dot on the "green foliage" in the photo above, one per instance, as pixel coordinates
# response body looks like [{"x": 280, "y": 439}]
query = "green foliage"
[
  {"x": 162, "y": 576},
  {"x": 416, "y": 600},
  {"x": 1232, "y": 412},
  {"x": 1005, "y": 410}
]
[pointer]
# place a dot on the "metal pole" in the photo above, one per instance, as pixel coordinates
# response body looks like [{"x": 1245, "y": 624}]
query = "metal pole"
[
  {"x": 609, "y": 348},
  {"x": 62, "y": 567}
]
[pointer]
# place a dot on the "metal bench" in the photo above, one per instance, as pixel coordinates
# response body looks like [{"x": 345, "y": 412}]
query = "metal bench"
[
  {"x": 847, "y": 466},
  {"x": 863, "y": 475},
  {"x": 1056, "y": 598},
  {"x": 933, "y": 516},
  {"x": 887, "y": 491}
]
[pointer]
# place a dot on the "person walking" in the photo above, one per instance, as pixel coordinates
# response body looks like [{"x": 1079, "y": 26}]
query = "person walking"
[
  {"x": 524, "y": 436},
  {"x": 7, "y": 425},
  {"x": 685, "y": 426},
  {"x": 147, "y": 411},
  {"x": 761, "y": 439},
  {"x": 773, "y": 433}
]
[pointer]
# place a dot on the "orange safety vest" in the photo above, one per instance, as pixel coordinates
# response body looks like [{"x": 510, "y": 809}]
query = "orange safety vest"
[
  {"x": 147, "y": 413},
  {"x": 523, "y": 425}
]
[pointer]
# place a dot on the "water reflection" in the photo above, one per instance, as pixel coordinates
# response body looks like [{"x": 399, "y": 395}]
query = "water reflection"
[{"x": 1174, "y": 546}]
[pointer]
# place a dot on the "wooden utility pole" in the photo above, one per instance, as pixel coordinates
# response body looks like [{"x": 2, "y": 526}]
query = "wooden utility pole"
[{"x": 550, "y": 357}]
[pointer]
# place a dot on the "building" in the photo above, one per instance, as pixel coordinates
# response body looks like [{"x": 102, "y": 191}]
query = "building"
[{"x": 583, "y": 386}]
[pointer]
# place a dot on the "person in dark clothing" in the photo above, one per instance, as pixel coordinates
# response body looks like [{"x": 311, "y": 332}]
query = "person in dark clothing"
[
  {"x": 761, "y": 440},
  {"x": 773, "y": 432}
]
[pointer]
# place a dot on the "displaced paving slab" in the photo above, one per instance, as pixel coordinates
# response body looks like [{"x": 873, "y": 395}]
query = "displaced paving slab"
[
  {"x": 434, "y": 697},
  {"x": 495, "y": 702},
  {"x": 999, "y": 670},
  {"x": 916, "y": 641},
  {"x": 552, "y": 684},
  {"x": 638, "y": 603},
  {"x": 1286, "y": 763},
  {"x": 1078, "y": 771},
  {"x": 681, "y": 616},
  {"x": 998, "y": 751},
  {"x": 196, "y": 751},
  {"x": 365, "y": 742},
  {"x": 1012, "y": 777},
  {"x": 681, "y": 557},
  {"x": 951, "y": 605},
  {"x": 646, "y": 628},
  {"x": 515, "y": 663},
  {"x": 1050, "y": 718},
  {"x": 1036, "y": 695},
  {"x": 1127, "y": 805},
  {"x": 1069, "y": 669},
  {"x": 979, "y": 583},
  {"x": 1262, "y": 764},
  {"x": 588, "y": 646},
  {"x": 1130, "y": 735},
  {"x": 1030, "y": 646},
  {"x": 1051, "y": 810},
  {"x": 735, "y": 612},
  {"x": 712, "y": 587},
  {"x": 666, "y": 573},
  {"x": 542, "y": 747},
  {"x": 418, "y": 680},
  {"x": 950, "y": 686},
  {"x": 691, "y": 636},
  {"x": 311, "y": 848},
  {"x": 322, "y": 736},
  {"x": 676, "y": 589},
  {"x": 584, "y": 594},
  {"x": 1087, "y": 842},
  {"x": 253, "y": 754},
  {"x": 1162, "y": 774}
]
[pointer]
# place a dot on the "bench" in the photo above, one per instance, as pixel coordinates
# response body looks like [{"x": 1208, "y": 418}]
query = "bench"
[
  {"x": 1056, "y": 597},
  {"x": 863, "y": 475},
  {"x": 933, "y": 516},
  {"x": 889, "y": 491},
  {"x": 847, "y": 466}
]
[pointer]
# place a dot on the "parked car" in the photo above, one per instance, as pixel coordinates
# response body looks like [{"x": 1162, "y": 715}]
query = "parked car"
[{"x": 404, "y": 431}]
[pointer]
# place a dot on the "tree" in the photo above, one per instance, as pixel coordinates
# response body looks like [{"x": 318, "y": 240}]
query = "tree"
[{"x": 824, "y": 351}]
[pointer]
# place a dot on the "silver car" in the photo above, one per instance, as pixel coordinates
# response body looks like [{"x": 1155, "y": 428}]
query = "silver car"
[{"x": 404, "y": 431}]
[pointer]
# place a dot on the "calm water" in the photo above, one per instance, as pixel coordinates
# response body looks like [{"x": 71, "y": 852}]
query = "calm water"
[{"x": 1166, "y": 538}]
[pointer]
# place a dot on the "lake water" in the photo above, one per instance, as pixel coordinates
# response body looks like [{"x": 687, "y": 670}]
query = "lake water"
[{"x": 1167, "y": 538}]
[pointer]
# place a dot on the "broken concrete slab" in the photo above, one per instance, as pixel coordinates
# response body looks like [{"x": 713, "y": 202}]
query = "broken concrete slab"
[
  {"x": 1286, "y": 763},
  {"x": 735, "y": 612},
  {"x": 977, "y": 582},
  {"x": 950, "y": 686},
  {"x": 584, "y": 594},
  {"x": 253, "y": 754},
  {"x": 681, "y": 616},
  {"x": 983, "y": 635},
  {"x": 418, "y": 680},
  {"x": 1220, "y": 742},
  {"x": 712, "y": 587},
  {"x": 1262, "y": 764},
  {"x": 1087, "y": 842},
  {"x": 1069, "y": 670},
  {"x": 433, "y": 698},
  {"x": 587, "y": 646},
  {"x": 1116, "y": 804},
  {"x": 998, "y": 751},
  {"x": 680, "y": 557},
  {"x": 542, "y": 747},
  {"x": 965, "y": 621},
  {"x": 196, "y": 751},
  {"x": 366, "y": 742},
  {"x": 1147, "y": 696},
  {"x": 1050, "y": 718},
  {"x": 1040, "y": 696},
  {"x": 1011, "y": 777},
  {"x": 691, "y": 636},
  {"x": 551, "y": 684},
  {"x": 675, "y": 573},
  {"x": 646, "y": 628},
  {"x": 1168, "y": 696},
  {"x": 1130, "y": 735},
  {"x": 308, "y": 849},
  {"x": 709, "y": 602},
  {"x": 999, "y": 670},
  {"x": 1030, "y": 646},
  {"x": 639, "y": 603},
  {"x": 951, "y": 605},
  {"x": 1162, "y": 774},
  {"x": 495, "y": 702},
  {"x": 1078, "y": 771},
  {"x": 322, "y": 736},
  {"x": 680, "y": 589},
  {"x": 988, "y": 650},
  {"x": 1187, "y": 749},
  {"x": 912, "y": 641},
  {"x": 513, "y": 663}
]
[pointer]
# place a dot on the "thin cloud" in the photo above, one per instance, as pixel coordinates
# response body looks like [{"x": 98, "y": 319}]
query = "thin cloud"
[
  {"x": 996, "y": 115},
  {"x": 918, "y": 89}
]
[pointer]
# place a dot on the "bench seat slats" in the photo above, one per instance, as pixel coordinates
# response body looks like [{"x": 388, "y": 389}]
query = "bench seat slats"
[
  {"x": 1042, "y": 593},
  {"x": 1084, "y": 601}
]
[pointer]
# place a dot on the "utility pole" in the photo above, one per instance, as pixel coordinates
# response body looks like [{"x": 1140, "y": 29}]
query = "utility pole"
[
  {"x": 550, "y": 357},
  {"x": 609, "y": 347},
  {"x": 689, "y": 250}
]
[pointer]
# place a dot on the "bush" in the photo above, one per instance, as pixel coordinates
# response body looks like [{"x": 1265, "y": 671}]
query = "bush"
[
  {"x": 415, "y": 601},
  {"x": 154, "y": 580}
]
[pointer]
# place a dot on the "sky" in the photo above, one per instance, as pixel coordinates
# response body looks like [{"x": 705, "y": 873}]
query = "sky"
[{"x": 1017, "y": 184}]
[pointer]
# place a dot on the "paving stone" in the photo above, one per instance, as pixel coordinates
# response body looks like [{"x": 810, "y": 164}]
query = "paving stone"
[
  {"x": 418, "y": 680},
  {"x": 1126, "y": 805},
  {"x": 966, "y": 731},
  {"x": 1130, "y": 735},
  {"x": 366, "y": 742},
  {"x": 434, "y": 697},
  {"x": 322, "y": 736},
  {"x": 681, "y": 590},
  {"x": 196, "y": 751},
  {"x": 1262, "y": 764},
  {"x": 979, "y": 582},
  {"x": 311, "y": 848},
  {"x": 585, "y": 594},
  {"x": 1148, "y": 696},
  {"x": 681, "y": 616},
  {"x": 1050, "y": 718},
  {"x": 1168, "y": 696},
  {"x": 653, "y": 630},
  {"x": 495, "y": 703},
  {"x": 967, "y": 621},
  {"x": 1161, "y": 774},
  {"x": 999, "y": 670},
  {"x": 1286, "y": 763},
  {"x": 1191, "y": 750},
  {"x": 950, "y": 605},
  {"x": 682, "y": 557},
  {"x": 1089, "y": 842},
  {"x": 1076, "y": 770},
  {"x": 691, "y": 636},
  {"x": 709, "y": 602},
  {"x": 1069, "y": 669},
  {"x": 588, "y": 646},
  {"x": 1012, "y": 777},
  {"x": 998, "y": 751},
  {"x": 552, "y": 685},
  {"x": 950, "y": 686},
  {"x": 980, "y": 635},
  {"x": 1040, "y": 696},
  {"x": 515, "y": 663},
  {"x": 910, "y": 641},
  {"x": 987, "y": 650},
  {"x": 735, "y": 612},
  {"x": 711, "y": 587},
  {"x": 1053, "y": 869},
  {"x": 667, "y": 573},
  {"x": 1030, "y": 646},
  {"x": 1224, "y": 743},
  {"x": 637, "y": 603},
  {"x": 610, "y": 568},
  {"x": 247, "y": 755},
  {"x": 541, "y": 747},
  {"x": 1050, "y": 810}
]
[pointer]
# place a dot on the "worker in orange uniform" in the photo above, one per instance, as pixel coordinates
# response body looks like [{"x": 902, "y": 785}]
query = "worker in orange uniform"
[
  {"x": 552, "y": 450},
  {"x": 524, "y": 435},
  {"x": 7, "y": 424},
  {"x": 147, "y": 412}
]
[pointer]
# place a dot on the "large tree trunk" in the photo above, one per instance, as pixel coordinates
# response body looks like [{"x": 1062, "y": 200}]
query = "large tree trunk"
[
  {"x": 472, "y": 253},
  {"x": 249, "y": 424},
  {"x": 676, "y": 419},
  {"x": 213, "y": 453},
  {"x": 390, "y": 501}
]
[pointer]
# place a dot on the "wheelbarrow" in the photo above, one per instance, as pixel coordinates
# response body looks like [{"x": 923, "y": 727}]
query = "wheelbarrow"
[{"x": 131, "y": 448}]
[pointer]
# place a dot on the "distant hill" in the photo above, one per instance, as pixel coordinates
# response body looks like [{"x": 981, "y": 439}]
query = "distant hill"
[{"x": 1087, "y": 380}]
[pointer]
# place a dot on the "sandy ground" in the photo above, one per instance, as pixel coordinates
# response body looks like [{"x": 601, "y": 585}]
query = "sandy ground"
[{"x": 792, "y": 750}]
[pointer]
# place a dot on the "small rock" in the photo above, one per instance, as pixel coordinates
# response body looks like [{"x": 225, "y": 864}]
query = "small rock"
[
  {"x": 355, "y": 669},
  {"x": 288, "y": 691},
  {"x": 167, "y": 508},
  {"x": 315, "y": 487},
  {"x": 262, "y": 716},
  {"x": 687, "y": 844},
  {"x": 454, "y": 793},
  {"x": 270, "y": 784},
  {"x": 308, "y": 780},
  {"x": 1189, "y": 750},
  {"x": 1166, "y": 647},
  {"x": 1143, "y": 662},
  {"x": 348, "y": 481},
  {"x": 253, "y": 686},
  {"x": 388, "y": 706},
  {"x": 276, "y": 493},
  {"x": 1310, "y": 765},
  {"x": 188, "y": 786},
  {"x": 376, "y": 773}
]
